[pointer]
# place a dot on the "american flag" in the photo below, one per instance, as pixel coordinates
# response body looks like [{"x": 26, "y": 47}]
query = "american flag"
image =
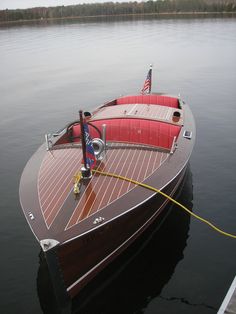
[
  {"x": 90, "y": 156},
  {"x": 148, "y": 83}
]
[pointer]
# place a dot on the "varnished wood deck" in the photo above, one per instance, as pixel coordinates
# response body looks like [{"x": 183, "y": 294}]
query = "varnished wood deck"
[
  {"x": 56, "y": 179},
  {"x": 139, "y": 111}
]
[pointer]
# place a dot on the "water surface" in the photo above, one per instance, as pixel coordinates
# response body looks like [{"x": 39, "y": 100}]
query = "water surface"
[{"x": 49, "y": 72}]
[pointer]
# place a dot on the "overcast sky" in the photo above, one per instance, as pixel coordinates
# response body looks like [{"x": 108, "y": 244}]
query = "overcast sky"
[{"x": 23, "y": 4}]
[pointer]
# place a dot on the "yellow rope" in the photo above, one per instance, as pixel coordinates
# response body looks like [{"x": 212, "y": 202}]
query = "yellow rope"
[{"x": 168, "y": 197}]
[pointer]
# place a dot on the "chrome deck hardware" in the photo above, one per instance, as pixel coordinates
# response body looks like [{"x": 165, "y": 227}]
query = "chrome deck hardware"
[{"x": 98, "y": 220}]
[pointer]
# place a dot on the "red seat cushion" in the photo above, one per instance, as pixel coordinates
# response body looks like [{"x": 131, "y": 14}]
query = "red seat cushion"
[{"x": 140, "y": 131}]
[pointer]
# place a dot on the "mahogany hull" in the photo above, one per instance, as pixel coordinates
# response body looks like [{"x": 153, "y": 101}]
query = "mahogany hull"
[{"x": 81, "y": 259}]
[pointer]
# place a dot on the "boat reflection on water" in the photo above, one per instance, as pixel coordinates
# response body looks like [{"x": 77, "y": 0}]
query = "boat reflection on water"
[{"x": 138, "y": 275}]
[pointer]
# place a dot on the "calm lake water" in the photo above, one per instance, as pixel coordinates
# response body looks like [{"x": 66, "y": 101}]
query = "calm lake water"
[{"x": 48, "y": 73}]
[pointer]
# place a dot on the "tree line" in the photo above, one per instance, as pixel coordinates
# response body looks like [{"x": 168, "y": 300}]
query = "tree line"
[{"x": 118, "y": 8}]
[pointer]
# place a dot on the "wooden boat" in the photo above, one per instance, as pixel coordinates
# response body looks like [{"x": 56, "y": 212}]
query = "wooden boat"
[{"x": 82, "y": 218}]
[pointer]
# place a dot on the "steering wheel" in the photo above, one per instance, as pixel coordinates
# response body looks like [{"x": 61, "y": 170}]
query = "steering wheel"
[{"x": 69, "y": 130}]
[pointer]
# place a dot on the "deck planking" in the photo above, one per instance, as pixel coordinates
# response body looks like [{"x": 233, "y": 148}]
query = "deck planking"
[{"x": 56, "y": 179}]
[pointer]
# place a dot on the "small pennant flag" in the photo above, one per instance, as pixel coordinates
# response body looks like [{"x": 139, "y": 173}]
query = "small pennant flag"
[{"x": 90, "y": 156}]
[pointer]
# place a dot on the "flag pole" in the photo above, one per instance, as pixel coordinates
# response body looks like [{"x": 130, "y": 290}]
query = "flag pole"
[{"x": 85, "y": 170}]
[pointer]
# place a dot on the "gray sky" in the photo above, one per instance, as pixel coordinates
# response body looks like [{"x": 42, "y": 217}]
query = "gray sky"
[{"x": 23, "y": 4}]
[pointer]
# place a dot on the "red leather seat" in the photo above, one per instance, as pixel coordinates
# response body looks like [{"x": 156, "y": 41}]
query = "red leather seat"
[{"x": 139, "y": 131}]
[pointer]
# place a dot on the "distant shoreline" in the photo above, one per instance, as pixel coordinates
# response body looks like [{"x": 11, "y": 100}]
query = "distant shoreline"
[{"x": 162, "y": 14}]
